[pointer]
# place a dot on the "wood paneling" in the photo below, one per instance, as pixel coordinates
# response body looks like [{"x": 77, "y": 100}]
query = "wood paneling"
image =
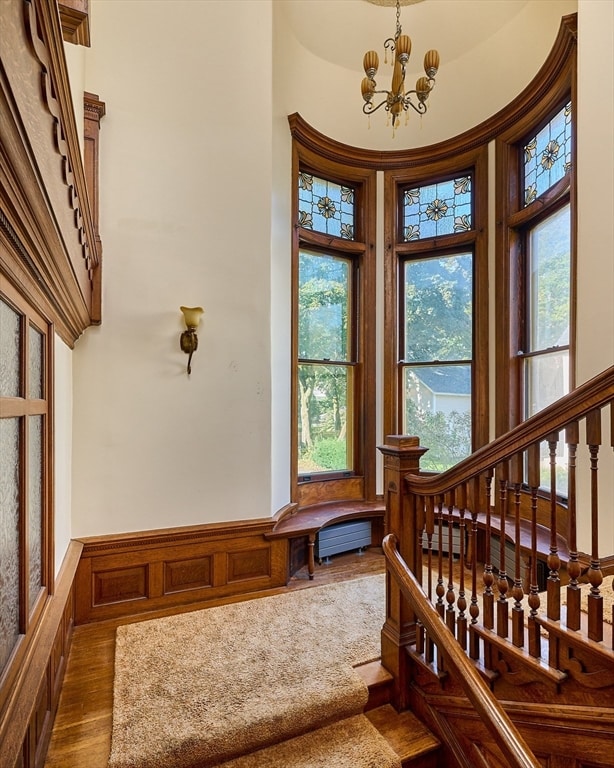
[
  {"x": 27, "y": 717},
  {"x": 130, "y": 574},
  {"x": 192, "y": 573}
]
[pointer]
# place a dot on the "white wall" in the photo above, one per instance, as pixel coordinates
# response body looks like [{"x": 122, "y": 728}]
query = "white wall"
[
  {"x": 195, "y": 209},
  {"x": 185, "y": 209},
  {"x": 62, "y": 465},
  {"x": 595, "y": 308}
]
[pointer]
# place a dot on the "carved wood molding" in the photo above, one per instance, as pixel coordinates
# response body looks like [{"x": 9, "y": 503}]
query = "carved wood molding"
[
  {"x": 74, "y": 15},
  {"x": 47, "y": 236},
  {"x": 56, "y": 93},
  {"x": 189, "y": 533}
]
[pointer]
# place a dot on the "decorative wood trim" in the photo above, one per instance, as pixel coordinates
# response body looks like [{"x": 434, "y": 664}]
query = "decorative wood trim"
[
  {"x": 27, "y": 717},
  {"x": 164, "y": 571},
  {"x": 47, "y": 238},
  {"x": 93, "y": 112},
  {"x": 74, "y": 16},
  {"x": 569, "y": 735}
]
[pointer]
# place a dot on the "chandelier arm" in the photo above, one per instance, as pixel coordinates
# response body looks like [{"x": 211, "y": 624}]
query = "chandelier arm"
[
  {"x": 368, "y": 107},
  {"x": 420, "y": 107}
]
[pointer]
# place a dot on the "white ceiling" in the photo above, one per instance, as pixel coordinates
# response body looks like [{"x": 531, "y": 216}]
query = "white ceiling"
[{"x": 341, "y": 31}]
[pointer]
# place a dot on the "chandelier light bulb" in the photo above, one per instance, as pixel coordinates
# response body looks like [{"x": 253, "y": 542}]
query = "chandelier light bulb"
[
  {"x": 431, "y": 63},
  {"x": 370, "y": 63},
  {"x": 403, "y": 47}
]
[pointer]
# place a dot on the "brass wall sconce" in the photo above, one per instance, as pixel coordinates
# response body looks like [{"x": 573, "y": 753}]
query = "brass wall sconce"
[{"x": 189, "y": 339}]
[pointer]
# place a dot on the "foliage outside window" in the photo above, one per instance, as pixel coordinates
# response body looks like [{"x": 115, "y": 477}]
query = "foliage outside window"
[
  {"x": 434, "y": 268},
  {"x": 325, "y": 380},
  {"x": 436, "y": 370}
]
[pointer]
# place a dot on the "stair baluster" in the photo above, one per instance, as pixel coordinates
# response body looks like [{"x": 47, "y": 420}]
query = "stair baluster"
[
  {"x": 595, "y": 576},
  {"x": 461, "y": 623},
  {"x": 450, "y": 596},
  {"x": 572, "y": 436},
  {"x": 502, "y": 583},
  {"x": 554, "y": 561},
  {"x": 533, "y": 630},
  {"x": 517, "y": 590},
  {"x": 489, "y": 617}
]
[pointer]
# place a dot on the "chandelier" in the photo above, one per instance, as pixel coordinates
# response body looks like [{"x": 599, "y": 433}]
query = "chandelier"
[{"x": 397, "y": 99}]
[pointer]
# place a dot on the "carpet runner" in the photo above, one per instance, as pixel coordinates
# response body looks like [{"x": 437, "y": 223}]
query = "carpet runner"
[{"x": 203, "y": 688}]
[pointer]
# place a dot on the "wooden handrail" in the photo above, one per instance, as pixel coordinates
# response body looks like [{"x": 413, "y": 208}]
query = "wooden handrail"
[
  {"x": 593, "y": 394},
  {"x": 504, "y": 732}
]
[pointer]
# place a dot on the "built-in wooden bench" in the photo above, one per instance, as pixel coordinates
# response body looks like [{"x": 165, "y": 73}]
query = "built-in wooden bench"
[{"x": 306, "y": 522}]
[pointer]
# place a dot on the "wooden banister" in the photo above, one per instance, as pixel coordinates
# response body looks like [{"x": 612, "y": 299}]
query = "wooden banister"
[
  {"x": 592, "y": 395},
  {"x": 503, "y": 730},
  {"x": 536, "y": 624}
]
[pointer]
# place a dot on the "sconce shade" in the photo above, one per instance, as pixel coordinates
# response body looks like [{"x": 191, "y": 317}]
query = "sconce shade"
[{"x": 192, "y": 316}]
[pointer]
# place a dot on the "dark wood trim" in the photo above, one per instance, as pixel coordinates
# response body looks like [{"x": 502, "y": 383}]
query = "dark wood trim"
[
  {"x": 566, "y": 735},
  {"x": 26, "y": 717},
  {"x": 131, "y": 574},
  {"x": 47, "y": 239},
  {"x": 74, "y": 16},
  {"x": 93, "y": 112},
  {"x": 476, "y": 163},
  {"x": 511, "y": 215},
  {"x": 362, "y": 484}
]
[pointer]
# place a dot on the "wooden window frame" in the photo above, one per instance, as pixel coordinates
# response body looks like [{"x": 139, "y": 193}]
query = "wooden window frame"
[
  {"x": 511, "y": 251},
  {"x": 23, "y": 407},
  {"x": 359, "y": 483},
  {"x": 474, "y": 163}
]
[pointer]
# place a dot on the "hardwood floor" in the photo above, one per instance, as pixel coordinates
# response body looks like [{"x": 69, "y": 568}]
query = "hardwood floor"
[{"x": 81, "y": 735}]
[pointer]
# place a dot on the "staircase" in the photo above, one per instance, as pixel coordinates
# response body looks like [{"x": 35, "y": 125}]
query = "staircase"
[
  {"x": 379, "y": 738},
  {"x": 508, "y": 669}
]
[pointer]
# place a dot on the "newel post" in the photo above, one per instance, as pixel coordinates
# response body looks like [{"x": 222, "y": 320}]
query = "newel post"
[{"x": 401, "y": 456}]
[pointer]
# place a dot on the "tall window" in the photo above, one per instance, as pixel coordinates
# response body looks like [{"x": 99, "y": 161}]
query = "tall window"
[
  {"x": 24, "y": 479},
  {"x": 334, "y": 370},
  {"x": 326, "y": 363},
  {"x": 536, "y": 271},
  {"x": 438, "y": 340},
  {"x": 546, "y": 241}
]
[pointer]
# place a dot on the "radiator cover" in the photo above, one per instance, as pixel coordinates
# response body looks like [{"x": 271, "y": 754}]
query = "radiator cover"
[{"x": 342, "y": 537}]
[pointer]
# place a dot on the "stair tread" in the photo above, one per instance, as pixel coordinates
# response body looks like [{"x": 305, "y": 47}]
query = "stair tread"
[
  {"x": 406, "y": 734},
  {"x": 350, "y": 743},
  {"x": 373, "y": 674}
]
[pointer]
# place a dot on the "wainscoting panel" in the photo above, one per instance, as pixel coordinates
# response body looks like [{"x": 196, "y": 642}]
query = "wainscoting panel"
[
  {"x": 25, "y": 725},
  {"x": 131, "y": 574}
]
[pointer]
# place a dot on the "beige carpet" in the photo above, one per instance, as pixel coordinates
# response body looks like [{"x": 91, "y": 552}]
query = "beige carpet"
[
  {"x": 348, "y": 743},
  {"x": 201, "y": 688}
]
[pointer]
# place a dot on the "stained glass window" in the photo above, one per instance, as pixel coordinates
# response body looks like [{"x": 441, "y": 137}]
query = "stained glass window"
[
  {"x": 324, "y": 206},
  {"x": 437, "y": 209},
  {"x": 547, "y": 157}
]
